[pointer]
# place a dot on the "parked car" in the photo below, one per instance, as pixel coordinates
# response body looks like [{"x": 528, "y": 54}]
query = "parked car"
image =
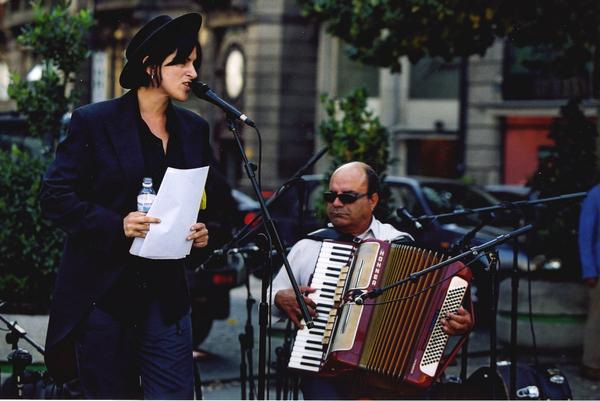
[
  {"x": 509, "y": 193},
  {"x": 425, "y": 196},
  {"x": 543, "y": 264},
  {"x": 247, "y": 207}
]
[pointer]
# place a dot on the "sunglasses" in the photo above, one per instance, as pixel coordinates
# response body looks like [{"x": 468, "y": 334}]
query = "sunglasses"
[{"x": 344, "y": 197}]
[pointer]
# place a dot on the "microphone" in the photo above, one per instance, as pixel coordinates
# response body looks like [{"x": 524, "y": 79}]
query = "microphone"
[
  {"x": 403, "y": 213},
  {"x": 203, "y": 91},
  {"x": 245, "y": 249}
]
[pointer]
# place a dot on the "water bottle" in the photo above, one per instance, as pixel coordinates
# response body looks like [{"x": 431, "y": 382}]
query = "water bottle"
[
  {"x": 146, "y": 195},
  {"x": 529, "y": 392}
]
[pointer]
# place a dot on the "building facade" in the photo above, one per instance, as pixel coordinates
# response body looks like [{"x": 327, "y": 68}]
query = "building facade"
[{"x": 484, "y": 118}]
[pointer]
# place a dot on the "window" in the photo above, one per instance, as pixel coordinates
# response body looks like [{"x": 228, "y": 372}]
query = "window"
[
  {"x": 353, "y": 75},
  {"x": 433, "y": 78},
  {"x": 528, "y": 75}
]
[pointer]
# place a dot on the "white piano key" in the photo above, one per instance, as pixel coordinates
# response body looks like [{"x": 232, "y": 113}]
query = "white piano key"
[
  {"x": 309, "y": 368},
  {"x": 303, "y": 352},
  {"x": 307, "y": 361}
]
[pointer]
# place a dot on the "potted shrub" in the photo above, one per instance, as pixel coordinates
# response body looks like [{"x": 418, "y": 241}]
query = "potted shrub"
[{"x": 31, "y": 247}]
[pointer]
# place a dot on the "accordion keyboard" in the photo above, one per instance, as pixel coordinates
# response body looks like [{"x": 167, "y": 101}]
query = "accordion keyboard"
[{"x": 307, "y": 352}]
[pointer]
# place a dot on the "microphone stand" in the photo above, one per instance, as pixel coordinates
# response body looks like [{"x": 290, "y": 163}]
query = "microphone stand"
[
  {"x": 19, "y": 357},
  {"x": 459, "y": 246},
  {"x": 276, "y": 241},
  {"x": 514, "y": 272},
  {"x": 504, "y": 205},
  {"x": 280, "y": 191},
  {"x": 241, "y": 234}
]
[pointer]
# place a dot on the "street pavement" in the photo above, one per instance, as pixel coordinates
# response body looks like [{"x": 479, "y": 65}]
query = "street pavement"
[{"x": 220, "y": 369}]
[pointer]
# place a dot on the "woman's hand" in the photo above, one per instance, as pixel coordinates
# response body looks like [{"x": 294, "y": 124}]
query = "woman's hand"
[
  {"x": 199, "y": 235},
  {"x": 137, "y": 224}
]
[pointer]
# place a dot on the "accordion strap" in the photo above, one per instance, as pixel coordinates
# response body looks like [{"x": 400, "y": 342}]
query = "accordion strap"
[
  {"x": 335, "y": 235},
  {"x": 332, "y": 234}
]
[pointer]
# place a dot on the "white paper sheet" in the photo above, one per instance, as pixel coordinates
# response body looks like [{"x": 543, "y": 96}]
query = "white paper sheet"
[{"x": 176, "y": 205}]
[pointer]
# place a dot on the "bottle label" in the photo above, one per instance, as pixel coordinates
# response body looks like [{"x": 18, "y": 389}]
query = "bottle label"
[{"x": 144, "y": 201}]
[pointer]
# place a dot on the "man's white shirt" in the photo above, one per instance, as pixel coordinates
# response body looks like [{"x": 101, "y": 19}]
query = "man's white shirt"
[{"x": 303, "y": 257}]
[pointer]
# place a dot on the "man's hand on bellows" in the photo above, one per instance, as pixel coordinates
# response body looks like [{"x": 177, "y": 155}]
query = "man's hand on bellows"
[
  {"x": 457, "y": 323},
  {"x": 286, "y": 302},
  {"x": 137, "y": 224},
  {"x": 199, "y": 235}
]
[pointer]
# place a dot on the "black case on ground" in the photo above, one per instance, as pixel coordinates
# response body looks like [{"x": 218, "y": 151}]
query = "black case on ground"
[{"x": 550, "y": 382}]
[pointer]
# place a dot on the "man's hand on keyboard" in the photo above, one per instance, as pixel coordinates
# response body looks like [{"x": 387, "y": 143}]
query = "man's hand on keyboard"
[{"x": 286, "y": 302}]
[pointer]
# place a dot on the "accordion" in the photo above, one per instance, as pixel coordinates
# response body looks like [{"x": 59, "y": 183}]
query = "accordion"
[{"x": 391, "y": 340}]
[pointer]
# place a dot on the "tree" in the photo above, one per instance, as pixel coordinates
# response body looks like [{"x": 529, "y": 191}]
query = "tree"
[
  {"x": 569, "y": 166},
  {"x": 353, "y": 133},
  {"x": 213, "y": 5},
  {"x": 381, "y": 32},
  {"x": 30, "y": 245},
  {"x": 58, "y": 40}
]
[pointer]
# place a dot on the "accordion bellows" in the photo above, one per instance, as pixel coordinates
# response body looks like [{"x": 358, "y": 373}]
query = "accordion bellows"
[{"x": 395, "y": 338}]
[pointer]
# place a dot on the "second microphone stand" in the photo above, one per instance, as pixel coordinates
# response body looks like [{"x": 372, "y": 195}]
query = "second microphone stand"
[
  {"x": 519, "y": 205},
  {"x": 275, "y": 241},
  {"x": 472, "y": 252}
]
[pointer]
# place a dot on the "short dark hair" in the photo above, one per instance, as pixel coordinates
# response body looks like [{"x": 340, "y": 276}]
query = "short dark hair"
[
  {"x": 183, "y": 45},
  {"x": 372, "y": 180}
]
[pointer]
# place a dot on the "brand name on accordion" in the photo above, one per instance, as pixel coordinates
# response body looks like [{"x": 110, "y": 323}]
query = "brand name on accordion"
[{"x": 378, "y": 265}]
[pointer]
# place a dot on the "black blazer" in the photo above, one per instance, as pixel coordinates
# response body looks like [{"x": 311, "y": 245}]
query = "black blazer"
[{"x": 87, "y": 191}]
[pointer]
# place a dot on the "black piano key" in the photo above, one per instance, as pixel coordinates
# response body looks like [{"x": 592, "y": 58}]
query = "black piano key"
[
  {"x": 344, "y": 248},
  {"x": 310, "y": 364}
]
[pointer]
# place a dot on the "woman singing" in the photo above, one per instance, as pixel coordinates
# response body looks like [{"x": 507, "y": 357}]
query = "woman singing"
[{"x": 120, "y": 323}]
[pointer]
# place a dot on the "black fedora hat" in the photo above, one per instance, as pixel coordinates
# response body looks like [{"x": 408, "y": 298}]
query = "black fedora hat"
[{"x": 150, "y": 34}]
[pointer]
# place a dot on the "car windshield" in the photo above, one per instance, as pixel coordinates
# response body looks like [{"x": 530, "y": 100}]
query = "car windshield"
[{"x": 448, "y": 197}]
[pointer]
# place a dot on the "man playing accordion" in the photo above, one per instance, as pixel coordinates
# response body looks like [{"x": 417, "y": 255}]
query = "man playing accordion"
[{"x": 352, "y": 197}]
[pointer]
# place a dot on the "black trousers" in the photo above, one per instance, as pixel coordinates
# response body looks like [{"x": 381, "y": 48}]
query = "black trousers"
[{"x": 150, "y": 360}]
